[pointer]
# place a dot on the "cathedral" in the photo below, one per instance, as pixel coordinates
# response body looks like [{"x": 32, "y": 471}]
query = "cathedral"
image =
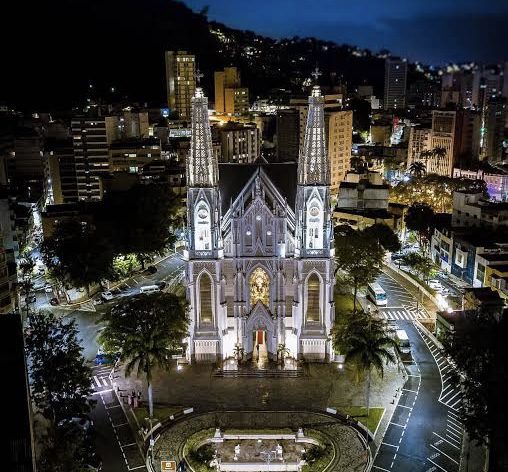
[{"x": 259, "y": 251}]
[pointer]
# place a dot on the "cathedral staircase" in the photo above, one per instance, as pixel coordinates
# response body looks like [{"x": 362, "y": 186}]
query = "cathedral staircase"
[{"x": 259, "y": 373}]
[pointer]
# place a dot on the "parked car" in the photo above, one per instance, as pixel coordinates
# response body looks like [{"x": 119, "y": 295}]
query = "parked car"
[
  {"x": 151, "y": 269},
  {"x": 30, "y": 299},
  {"x": 39, "y": 286},
  {"x": 435, "y": 284},
  {"x": 161, "y": 284},
  {"x": 48, "y": 288},
  {"x": 54, "y": 301},
  {"x": 107, "y": 296}
]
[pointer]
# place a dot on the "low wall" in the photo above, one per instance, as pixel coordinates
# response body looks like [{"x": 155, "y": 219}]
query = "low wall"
[{"x": 257, "y": 467}]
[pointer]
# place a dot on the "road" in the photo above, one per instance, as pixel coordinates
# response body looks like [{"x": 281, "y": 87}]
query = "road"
[
  {"x": 115, "y": 441},
  {"x": 424, "y": 434}
]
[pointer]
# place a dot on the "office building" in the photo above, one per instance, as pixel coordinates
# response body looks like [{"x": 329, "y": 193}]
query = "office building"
[
  {"x": 239, "y": 142},
  {"x": 91, "y": 155},
  {"x": 128, "y": 124},
  {"x": 288, "y": 135},
  {"x": 495, "y": 114},
  {"x": 130, "y": 155},
  {"x": 230, "y": 97},
  {"x": 340, "y": 141},
  {"x": 419, "y": 141},
  {"x": 180, "y": 82},
  {"x": 395, "y": 84},
  {"x": 61, "y": 184}
]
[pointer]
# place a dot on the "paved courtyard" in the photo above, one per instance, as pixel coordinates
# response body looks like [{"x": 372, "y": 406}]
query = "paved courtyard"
[{"x": 321, "y": 386}]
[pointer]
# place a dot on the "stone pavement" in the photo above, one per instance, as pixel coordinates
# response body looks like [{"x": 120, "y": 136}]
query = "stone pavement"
[{"x": 321, "y": 386}]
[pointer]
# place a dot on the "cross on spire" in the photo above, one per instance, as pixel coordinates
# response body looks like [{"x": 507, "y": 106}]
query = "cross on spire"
[
  {"x": 198, "y": 76},
  {"x": 316, "y": 73}
]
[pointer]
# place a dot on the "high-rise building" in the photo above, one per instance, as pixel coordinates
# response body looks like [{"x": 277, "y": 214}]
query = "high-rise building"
[
  {"x": 230, "y": 97},
  {"x": 419, "y": 140},
  {"x": 443, "y": 136},
  {"x": 180, "y": 81},
  {"x": 128, "y": 124},
  {"x": 91, "y": 155},
  {"x": 7, "y": 279},
  {"x": 61, "y": 184},
  {"x": 395, "y": 84},
  {"x": 239, "y": 142},
  {"x": 288, "y": 135},
  {"x": 339, "y": 127},
  {"x": 494, "y": 117}
]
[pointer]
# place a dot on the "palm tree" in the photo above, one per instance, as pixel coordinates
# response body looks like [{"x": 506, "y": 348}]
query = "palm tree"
[
  {"x": 370, "y": 347},
  {"x": 418, "y": 169},
  {"x": 439, "y": 152},
  {"x": 145, "y": 330}
]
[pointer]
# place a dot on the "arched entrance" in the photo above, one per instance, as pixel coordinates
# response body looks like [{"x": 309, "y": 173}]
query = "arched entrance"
[{"x": 260, "y": 335}]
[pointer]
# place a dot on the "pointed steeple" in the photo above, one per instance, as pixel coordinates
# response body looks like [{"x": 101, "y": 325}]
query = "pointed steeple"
[
  {"x": 202, "y": 167},
  {"x": 313, "y": 165}
]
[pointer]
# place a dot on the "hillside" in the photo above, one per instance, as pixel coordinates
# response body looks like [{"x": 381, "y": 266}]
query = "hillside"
[{"x": 53, "y": 50}]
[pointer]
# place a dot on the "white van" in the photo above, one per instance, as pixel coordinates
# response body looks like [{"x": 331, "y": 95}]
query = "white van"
[
  {"x": 150, "y": 289},
  {"x": 403, "y": 341}
]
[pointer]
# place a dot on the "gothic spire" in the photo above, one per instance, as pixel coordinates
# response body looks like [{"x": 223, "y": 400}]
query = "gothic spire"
[
  {"x": 313, "y": 165},
  {"x": 202, "y": 168}
]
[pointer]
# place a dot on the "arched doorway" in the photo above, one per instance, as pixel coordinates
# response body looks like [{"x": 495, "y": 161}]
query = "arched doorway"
[{"x": 259, "y": 287}]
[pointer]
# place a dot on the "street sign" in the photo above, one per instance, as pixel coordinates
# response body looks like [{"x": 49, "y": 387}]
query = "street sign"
[{"x": 168, "y": 466}]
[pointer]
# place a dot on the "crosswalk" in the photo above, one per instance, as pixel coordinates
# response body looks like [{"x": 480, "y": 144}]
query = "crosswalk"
[
  {"x": 102, "y": 379},
  {"x": 450, "y": 395},
  {"x": 400, "y": 313}
]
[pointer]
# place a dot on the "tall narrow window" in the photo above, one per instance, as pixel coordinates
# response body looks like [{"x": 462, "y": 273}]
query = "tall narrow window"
[
  {"x": 205, "y": 300},
  {"x": 202, "y": 227},
  {"x": 313, "y": 287}
]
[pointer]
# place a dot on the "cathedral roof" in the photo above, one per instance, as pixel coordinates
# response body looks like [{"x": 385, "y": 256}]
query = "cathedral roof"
[{"x": 234, "y": 177}]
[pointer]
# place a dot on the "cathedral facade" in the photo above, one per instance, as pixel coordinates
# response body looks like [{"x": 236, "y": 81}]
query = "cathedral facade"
[{"x": 259, "y": 251}]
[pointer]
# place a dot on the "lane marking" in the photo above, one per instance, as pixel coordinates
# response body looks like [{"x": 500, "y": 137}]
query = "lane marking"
[
  {"x": 441, "y": 437},
  {"x": 391, "y": 445},
  {"x": 397, "y": 424},
  {"x": 128, "y": 445},
  {"x": 138, "y": 467},
  {"x": 458, "y": 401},
  {"x": 453, "y": 433},
  {"x": 379, "y": 468},
  {"x": 407, "y": 390},
  {"x": 431, "y": 461},
  {"x": 102, "y": 391},
  {"x": 444, "y": 454},
  {"x": 404, "y": 406},
  {"x": 454, "y": 426},
  {"x": 453, "y": 439}
]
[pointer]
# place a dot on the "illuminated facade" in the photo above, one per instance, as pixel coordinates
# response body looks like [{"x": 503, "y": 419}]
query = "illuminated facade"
[{"x": 260, "y": 269}]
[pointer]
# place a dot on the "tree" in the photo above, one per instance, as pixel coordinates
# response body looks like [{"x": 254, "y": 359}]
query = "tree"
[
  {"x": 140, "y": 220},
  {"x": 145, "y": 330},
  {"x": 26, "y": 269},
  {"x": 366, "y": 342},
  {"x": 479, "y": 349},
  {"x": 60, "y": 378},
  {"x": 385, "y": 236},
  {"x": 417, "y": 169},
  {"x": 418, "y": 218},
  {"x": 359, "y": 256},
  {"x": 434, "y": 190},
  {"x": 77, "y": 255}
]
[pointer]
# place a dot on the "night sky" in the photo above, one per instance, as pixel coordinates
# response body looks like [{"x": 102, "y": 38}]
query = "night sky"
[{"x": 430, "y": 31}]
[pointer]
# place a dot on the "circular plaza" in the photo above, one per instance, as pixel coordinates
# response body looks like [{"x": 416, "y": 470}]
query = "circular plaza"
[{"x": 238, "y": 441}]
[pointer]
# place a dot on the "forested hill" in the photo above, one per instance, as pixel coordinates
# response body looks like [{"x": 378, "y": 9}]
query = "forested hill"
[{"x": 51, "y": 51}]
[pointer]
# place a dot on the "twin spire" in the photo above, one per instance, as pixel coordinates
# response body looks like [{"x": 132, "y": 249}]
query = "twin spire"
[
  {"x": 313, "y": 165},
  {"x": 202, "y": 167}
]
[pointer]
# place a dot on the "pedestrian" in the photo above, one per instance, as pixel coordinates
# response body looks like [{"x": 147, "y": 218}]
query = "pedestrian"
[
  {"x": 257, "y": 349},
  {"x": 139, "y": 394}
]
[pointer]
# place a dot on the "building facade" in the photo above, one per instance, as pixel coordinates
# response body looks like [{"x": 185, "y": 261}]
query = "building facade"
[
  {"x": 180, "y": 81},
  {"x": 395, "y": 84},
  {"x": 230, "y": 97},
  {"x": 260, "y": 269}
]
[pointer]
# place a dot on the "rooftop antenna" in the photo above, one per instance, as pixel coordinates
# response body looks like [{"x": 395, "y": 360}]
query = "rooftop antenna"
[{"x": 316, "y": 73}]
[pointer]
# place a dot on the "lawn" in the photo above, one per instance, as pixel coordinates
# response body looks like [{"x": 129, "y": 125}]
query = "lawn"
[
  {"x": 360, "y": 413},
  {"x": 160, "y": 413}
]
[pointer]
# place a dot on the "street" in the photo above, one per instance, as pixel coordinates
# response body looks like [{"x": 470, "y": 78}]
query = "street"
[{"x": 425, "y": 433}]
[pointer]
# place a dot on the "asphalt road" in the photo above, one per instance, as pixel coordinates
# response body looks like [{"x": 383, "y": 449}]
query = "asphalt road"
[
  {"x": 115, "y": 441},
  {"x": 424, "y": 433}
]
